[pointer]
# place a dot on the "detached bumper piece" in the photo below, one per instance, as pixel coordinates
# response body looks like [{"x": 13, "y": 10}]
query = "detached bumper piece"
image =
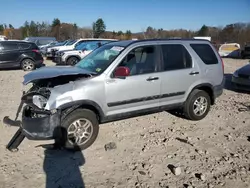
[
  {"x": 44, "y": 126},
  {"x": 18, "y": 137}
]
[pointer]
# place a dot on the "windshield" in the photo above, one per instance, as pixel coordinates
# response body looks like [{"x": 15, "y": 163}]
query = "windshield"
[
  {"x": 88, "y": 45},
  {"x": 99, "y": 60},
  {"x": 80, "y": 46},
  {"x": 70, "y": 42}
]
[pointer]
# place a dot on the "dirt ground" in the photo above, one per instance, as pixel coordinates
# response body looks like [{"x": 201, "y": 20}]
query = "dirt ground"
[{"x": 214, "y": 152}]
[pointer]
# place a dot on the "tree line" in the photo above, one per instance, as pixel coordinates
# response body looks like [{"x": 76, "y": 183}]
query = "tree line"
[{"x": 237, "y": 32}]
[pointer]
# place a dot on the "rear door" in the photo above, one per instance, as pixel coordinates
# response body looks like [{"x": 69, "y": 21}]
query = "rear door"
[
  {"x": 9, "y": 54},
  {"x": 179, "y": 73}
]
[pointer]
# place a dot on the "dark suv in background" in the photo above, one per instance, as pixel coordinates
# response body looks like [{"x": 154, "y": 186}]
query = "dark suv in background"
[
  {"x": 245, "y": 53},
  {"x": 14, "y": 54}
]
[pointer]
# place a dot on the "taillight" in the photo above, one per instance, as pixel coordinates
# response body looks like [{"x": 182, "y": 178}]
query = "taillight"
[
  {"x": 36, "y": 51},
  {"x": 222, "y": 62}
]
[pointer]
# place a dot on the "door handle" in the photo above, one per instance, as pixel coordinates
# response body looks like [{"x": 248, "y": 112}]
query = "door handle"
[
  {"x": 193, "y": 73},
  {"x": 152, "y": 78}
]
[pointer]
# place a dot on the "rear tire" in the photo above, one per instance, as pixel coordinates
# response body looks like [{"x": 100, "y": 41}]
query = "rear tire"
[
  {"x": 28, "y": 65},
  {"x": 197, "y": 105},
  {"x": 80, "y": 129},
  {"x": 72, "y": 61}
]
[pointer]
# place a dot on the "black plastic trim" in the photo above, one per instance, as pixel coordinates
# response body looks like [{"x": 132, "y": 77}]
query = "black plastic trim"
[
  {"x": 142, "y": 112},
  {"x": 85, "y": 103},
  {"x": 118, "y": 103}
]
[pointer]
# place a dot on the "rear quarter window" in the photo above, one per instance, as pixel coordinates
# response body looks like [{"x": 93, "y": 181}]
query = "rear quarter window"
[
  {"x": 24, "y": 46},
  {"x": 34, "y": 46},
  {"x": 206, "y": 53}
]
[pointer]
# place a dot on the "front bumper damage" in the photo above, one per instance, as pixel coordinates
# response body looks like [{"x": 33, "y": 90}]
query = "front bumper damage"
[
  {"x": 52, "y": 87},
  {"x": 44, "y": 127}
]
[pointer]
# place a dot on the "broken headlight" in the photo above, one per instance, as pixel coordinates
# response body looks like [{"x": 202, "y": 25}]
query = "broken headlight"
[{"x": 39, "y": 101}]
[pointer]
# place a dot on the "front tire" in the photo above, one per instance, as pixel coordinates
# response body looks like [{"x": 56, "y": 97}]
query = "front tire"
[
  {"x": 28, "y": 65},
  {"x": 197, "y": 105},
  {"x": 72, "y": 61},
  {"x": 80, "y": 129}
]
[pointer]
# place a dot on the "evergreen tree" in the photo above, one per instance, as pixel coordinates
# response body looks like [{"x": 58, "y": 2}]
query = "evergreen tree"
[{"x": 99, "y": 28}]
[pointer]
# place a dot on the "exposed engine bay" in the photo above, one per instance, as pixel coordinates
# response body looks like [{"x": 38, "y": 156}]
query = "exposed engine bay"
[
  {"x": 37, "y": 96},
  {"x": 39, "y": 123}
]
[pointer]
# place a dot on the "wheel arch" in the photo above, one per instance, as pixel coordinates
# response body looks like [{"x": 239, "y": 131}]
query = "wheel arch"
[
  {"x": 24, "y": 58},
  {"x": 207, "y": 88},
  {"x": 84, "y": 104}
]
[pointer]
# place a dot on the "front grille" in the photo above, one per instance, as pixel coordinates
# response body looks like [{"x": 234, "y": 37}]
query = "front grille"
[
  {"x": 244, "y": 76},
  {"x": 53, "y": 52}
]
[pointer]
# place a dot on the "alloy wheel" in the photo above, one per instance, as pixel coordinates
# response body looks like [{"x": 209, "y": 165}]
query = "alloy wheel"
[
  {"x": 80, "y": 131},
  {"x": 28, "y": 65},
  {"x": 200, "y": 106}
]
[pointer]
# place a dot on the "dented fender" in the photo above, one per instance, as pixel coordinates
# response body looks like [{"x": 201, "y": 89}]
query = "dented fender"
[{"x": 64, "y": 94}]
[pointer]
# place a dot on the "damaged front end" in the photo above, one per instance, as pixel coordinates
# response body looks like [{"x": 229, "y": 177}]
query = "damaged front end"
[{"x": 38, "y": 120}]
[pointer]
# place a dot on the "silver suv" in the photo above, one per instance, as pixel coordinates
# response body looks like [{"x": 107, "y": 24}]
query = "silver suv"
[{"x": 117, "y": 81}]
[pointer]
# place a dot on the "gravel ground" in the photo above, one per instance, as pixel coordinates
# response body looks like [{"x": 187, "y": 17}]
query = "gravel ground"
[{"x": 158, "y": 150}]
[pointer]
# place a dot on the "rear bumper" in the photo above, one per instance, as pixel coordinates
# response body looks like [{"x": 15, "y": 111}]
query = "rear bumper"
[
  {"x": 218, "y": 90},
  {"x": 58, "y": 60},
  {"x": 46, "y": 127},
  {"x": 39, "y": 63}
]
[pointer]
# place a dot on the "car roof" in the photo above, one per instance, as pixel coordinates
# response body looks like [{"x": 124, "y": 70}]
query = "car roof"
[
  {"x": 96, "y": 39},
  {"x": 40, "y": 37},
  {"x": 17, "y": 41},
  {"x": 126, "y": 43}
]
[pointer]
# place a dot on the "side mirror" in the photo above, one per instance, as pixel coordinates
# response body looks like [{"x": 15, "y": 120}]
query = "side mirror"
[{"x": 122, "y": 72}]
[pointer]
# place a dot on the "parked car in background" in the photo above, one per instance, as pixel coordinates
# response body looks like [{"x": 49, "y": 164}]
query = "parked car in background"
[
  {"x": 120, "y": 80},
  {"x": 245, "y": 53},
  {"x": 44, "y": 50},
  {"x": 15, "y": 54},
  {"x": 3, "y": 37},
  {"x": 71, "y": 45},
  {"x": 230, "y": 50},
  {"x": 205, "y": 38},
  {"x": 241, "y": 78},
  {"x": 71, "y": 57},
  {"x": 50, "y": 51},
  {"x": 49, "y": 44},
  {"x": 40, "y": 41}
]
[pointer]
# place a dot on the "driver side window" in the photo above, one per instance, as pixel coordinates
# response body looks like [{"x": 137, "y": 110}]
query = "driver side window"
[{"x": 140, "y": 60}]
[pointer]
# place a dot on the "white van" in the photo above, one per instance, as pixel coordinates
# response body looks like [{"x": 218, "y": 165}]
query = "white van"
[
  {"x": 204, "y": 38},
  {"x": 2, "y": 37},
  {"x": 229, "y": 50}
]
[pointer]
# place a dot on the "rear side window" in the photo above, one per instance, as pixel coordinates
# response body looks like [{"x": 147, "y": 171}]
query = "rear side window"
[
  {"x": 175, "y": 57},
  {"x": 34, "y": 46},
  {"x": 206, "y": 53},
  {"x": 9, "y": 46},
  {"x": 43, "y": 42},
  {"x": 24, "y": 46}
]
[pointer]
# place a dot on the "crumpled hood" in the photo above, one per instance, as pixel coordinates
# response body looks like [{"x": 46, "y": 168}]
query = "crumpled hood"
[
  {"x": 52, "y": 72},
  {"x": 245, "y": 70}
]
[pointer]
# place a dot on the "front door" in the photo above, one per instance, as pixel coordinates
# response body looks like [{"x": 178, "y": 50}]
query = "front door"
[
  {"x": 9, "y": 54},
  {"x": 140, "y": 90},
  {"x": 179, "y": 73}
]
